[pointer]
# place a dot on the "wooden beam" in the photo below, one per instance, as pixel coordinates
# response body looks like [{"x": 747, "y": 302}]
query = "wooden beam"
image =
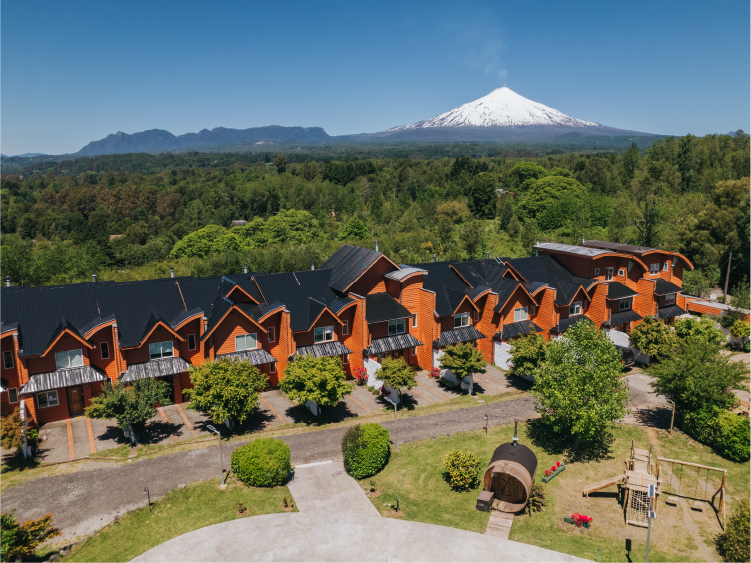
[{"x": 666, "y": 460}]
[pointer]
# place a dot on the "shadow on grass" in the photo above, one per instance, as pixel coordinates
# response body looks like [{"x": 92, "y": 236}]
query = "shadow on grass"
[
  {"x": 562, "y": 443},
  {"x": 16, "y": 462}
]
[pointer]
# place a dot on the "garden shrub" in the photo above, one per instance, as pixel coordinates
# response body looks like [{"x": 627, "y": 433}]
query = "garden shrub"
[
  {"x": 366, "y": 449},
  {"x": 729, "y": 434},
  {"x": 462, "y": 470},
  {"x": 262, "y": 463},
  {"x": 733, "y": 543}
]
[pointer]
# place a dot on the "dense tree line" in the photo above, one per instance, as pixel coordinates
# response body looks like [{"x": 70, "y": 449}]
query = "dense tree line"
[{"x": 688, "y": 194}]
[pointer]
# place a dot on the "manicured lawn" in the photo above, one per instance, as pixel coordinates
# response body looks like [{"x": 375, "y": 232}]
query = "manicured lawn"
[
  {"x": 180, "y": 511},
  {"x": 414, "y": 475}
]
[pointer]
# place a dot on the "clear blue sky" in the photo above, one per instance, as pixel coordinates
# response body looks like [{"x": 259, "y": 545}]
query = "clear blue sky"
[{"x": 76, "y": 71}]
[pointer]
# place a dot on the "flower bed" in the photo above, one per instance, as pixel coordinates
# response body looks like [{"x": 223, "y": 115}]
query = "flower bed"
[
  {"x": 361, "y": 375},
  {"x": 579, "y": 520},
  {"x": 553, "y": 471},
  {"x": 435, "y": 372}
]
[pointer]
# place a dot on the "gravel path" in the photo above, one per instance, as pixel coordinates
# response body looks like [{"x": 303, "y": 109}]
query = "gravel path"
[{"x": 83, "y": 501}]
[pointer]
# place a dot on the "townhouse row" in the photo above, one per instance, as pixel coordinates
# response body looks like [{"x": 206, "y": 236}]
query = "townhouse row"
[{"x": 61, "y": 343}]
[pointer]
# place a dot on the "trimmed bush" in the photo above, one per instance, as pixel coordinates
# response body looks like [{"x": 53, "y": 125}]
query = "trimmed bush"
[
  {"x": 366, "y": 449},
  {"x": 733, "y": 543},
  {"x": 262, "y": 463},
  {"x": 729, "y": 434},
  {"x": 462, "y": 470}
]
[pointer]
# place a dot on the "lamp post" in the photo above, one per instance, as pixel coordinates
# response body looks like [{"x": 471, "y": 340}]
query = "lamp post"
[
  {"x": 221, "y": 459},
  {"x": 396, "y": 421},
  {"x": 486, "y": 423},
  {"x": 148, "y": 496},
  {"x": 651, "y": 515}
]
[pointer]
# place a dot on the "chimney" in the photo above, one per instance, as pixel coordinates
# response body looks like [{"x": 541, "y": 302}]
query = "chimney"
[
  {"x": 434, "y": 257},
  {"x": 172, "y": 272},
  {"x": 376, "y": 246},
  {"x": 659, "y": 246},
  {"x": 7, "y": 281},
  {"x": 515, "y": 439},
  {"x": 245, "y": 268},
  {"x": 487, "y": 255},
  {"x": 312, "y": 264},
  {"x": 584, "y": 240},
  {"x": 93, "y": 278}
]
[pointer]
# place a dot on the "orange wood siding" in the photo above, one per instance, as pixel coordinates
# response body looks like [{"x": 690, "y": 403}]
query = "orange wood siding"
[
  {"x": 486, "y": 325},
  {"x": 194, "y": 357},
  {"x": 372, "y": 281},
  {"x": 307, "y": 338},
  {"x": 644, "y": 303},
  {"x": 546, "y": 317},
  {"x": 9, "y": 374},
  {"x": 235, "y": 324},
  {"x": 42, "y": 364},
  {"x": 426, "y": 328},
  {"x": 598, "y": 308},
  {"x": 412, "y": 296},
  {"x": 108, "y": 366},
  {"x": 141, "y": 354}
]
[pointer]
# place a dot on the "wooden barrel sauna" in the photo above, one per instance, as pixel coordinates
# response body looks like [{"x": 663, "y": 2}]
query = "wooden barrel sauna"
[{"x": 510, "y": 476}]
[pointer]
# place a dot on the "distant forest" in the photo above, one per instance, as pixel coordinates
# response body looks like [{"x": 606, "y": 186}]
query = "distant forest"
[{"x": 134, "y": 216}]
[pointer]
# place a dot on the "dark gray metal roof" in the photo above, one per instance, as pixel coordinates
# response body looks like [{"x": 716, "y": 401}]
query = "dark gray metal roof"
[
  {"x": 406, "y": 271},
  {"x": 616, "y": 290},
  {"x": 380, "y": 307},
  {"x": 519, "y": 454},
  {"x": 348, "y": 264},
  {"x": 255, "y": 357},
  {"x": 391, "y": 343},
  {"x": 534, "y": 287},
  {"x": 565, "y": 324},
  {"x": 581, "y": 250},
  {"x": 62, "y": 378},
  {"x": 663, "y": 287},
  {"x": 519, "y": 328},
  {"x": 615, "y": 247},
  {"x": 670, "y": 311},
  {"x": 155, "y": 368},
  {"x": 324, "y": 349},
  {"x": 454, "y": 336},
  {"x": 547, "y": 269},
  {"x": 340, "y": 303},
  {"x": 475, "y": 292},
  {"x": 622, "y": 317}
]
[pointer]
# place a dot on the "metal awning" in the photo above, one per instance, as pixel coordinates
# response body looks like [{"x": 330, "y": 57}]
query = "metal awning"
[
  {"x": 155, "y": 368},
  {"x": 324, "y": 349},
  {"x": 391, "y": 343},
  {"x": 457, "y": 335},
  {"x": 62, "y": 378},
  {"x": 622, "y": 317},
  {"x": 670, "y": 311},
  {"x": 519, "y": 328},
  {"x": 255, "y": 357}
]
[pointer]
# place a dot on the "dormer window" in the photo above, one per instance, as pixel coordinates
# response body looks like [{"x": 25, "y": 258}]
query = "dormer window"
[
  {"x": 670, "y": 299},
  {"x": 159, "y": 350},
  {"x": 520, "y": 314},
  {"x": 654, "y": 269},
  {"x": 608, "y": 274},
  {"x": 396, "y": 327},
  {"x": 69, "y": 359},
  {"x": 624, "y": 304},
  {"x": 323, "y": 334},
  {"x": 460, "y": 320},
  {"x": 576, "y": 307},
  {"x": 666, "y": 266}
]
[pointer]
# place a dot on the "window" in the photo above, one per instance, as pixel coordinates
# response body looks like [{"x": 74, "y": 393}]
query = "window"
[
  {"x": 104, "y": 348},
  {"x": 654, "y": 269},
  {"x": 608, "y": 274},
  {"x": 272, "y": 367},
  {"x": 345, "y": 358},
  {"x": 520, "y": 314},
  {"x": 345, "y": 328},
  {"x": 323, "y": 334},
  {"x": 272, "y": 334},
  {"x": 414, "y": 351},
  {"x": 576, "y": 307},
  {"x": 666, "y": 266},
  {"x": 7, "y": 359},
  {"x": 597, "y": 271},
  {"x": 414, "y": 320},
  {"x": 460, "y": 320},
  {"x": 13, "y": 395},
  {"x": 191, "y": 342},
  {"x": 69, "y": 359},
  {"x": 246, "y": 342},
  {"x": 161, "y": 350},
  {"x": 476, "y": 315},
  {"x": 47, "y": 399},
  {"x": 532, "y": 310},
  {"x": 624, "y": 304},
  {"x": 670, "y": 299},
  {"x": 396, "y": 327},
  {"x": 621, "y": 272}
]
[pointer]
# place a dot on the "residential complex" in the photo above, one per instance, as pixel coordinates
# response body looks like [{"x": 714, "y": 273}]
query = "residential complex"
[{"x": 60, "y": 344}]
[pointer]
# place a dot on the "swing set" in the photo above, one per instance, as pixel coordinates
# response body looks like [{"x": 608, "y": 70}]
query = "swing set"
[{"x": 693, "y": 498}]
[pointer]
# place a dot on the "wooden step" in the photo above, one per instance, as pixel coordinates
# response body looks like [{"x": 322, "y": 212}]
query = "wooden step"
[{"x": 499, "y": 525}]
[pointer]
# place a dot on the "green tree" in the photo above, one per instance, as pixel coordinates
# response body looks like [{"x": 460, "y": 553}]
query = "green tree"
[
  {"x": 527, "y": 352},
  {"x": 12, "y": 431},
  {"x": 20, "y": 540},
  {"x": 376, "y": 204},
  {"x": 198, "y": 243},
  {"x": 445, "y": 228},
  {"x": 470, "y": 237},
  {"x": 733, "y": 543},
  {"x": 740, "y": 329},
  {"x": 396, "y": 373},
  {"x": 481, "y": 196},
  {"x": 653, "y": 337},
  {"x": 741, "y": 296},
  {"x": 629, "y": 164},
  {"x": 355, "y": 230},
  {"x": 132, "y": 405},
  {"x": 701, "y": 330},
  {"x": 523, "y": 173},
  {"x": 320, "y": 380},
  {"x": 463, "y": 360},
  {"x": 647, "y": 211},
  {"x": 226, "y": 389},
  {"x": 578, "y": 387},
  {"x": 514, "y": 227},
  {"x": 529, "y": 234},
  {"x": 547, "y": 193},
  {"x": 697, "y": 376},
  {"x": 281, "y": 164},
  {"x": 505, "y": 211},
  {"x": 694, "y": 283}
]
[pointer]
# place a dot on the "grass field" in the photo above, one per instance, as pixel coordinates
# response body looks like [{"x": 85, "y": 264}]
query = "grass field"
[{"x": 414, "y": 476}]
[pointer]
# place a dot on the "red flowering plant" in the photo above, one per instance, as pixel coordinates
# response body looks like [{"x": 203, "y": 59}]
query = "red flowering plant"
[
  {"x": 553, "y": 469},
  {"x": 361, "y": 375},
  {"x": 435, "y": 372},
  {"x": 580, "y": 519}
]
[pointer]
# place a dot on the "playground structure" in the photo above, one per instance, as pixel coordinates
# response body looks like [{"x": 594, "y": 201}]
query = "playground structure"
[{"x": 641, "y": 472}]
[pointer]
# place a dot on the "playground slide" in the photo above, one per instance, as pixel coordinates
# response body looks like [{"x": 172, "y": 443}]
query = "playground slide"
[{"x": 602, "y": 485}]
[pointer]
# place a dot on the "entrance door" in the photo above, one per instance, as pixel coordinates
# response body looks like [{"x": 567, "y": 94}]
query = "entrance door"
[{"x": 75, "y": 401}]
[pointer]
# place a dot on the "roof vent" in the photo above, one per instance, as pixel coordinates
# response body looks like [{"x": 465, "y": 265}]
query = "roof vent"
[
  {"x": 245, "y": 268},
  {"x": 312, "y": 264},
  {"x": 487, "y": 255},
  {"x": 93, "y": 278},
  {"x": 434, "y": 257},
  {"x": 7, "y": 281},
  {"x": 172, "y": 272},
  {"x": 376, "y": 246}
]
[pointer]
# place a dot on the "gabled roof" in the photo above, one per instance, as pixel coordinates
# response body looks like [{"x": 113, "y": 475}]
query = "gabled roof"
[
  {"x": 457, "y": 335},
  {"x": 616, "y": 290},
  {"x": 670, "y": 311},
  {"x": 622, "y": 317},
  {"x": 349, "y": 263},
  {"x": 380, "y": 307},
  {"x": 546, "y": 269},
  {"x": 505, "y": 289},
  {"x": 565, "y": 324},
  {"x": 404, "y": 273},
  {"x": 635, "y": 250},
  {"x": 63, "y": 326},
  {"x": 663, "y": 287},
  {"x": 475, "y": 293}
]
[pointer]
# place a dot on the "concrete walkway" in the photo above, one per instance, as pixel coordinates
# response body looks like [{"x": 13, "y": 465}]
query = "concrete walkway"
[{"x": 315, "y": 536}]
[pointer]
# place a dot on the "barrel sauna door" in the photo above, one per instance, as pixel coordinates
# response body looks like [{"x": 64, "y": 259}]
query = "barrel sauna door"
[{"x": 508, "y": 488}]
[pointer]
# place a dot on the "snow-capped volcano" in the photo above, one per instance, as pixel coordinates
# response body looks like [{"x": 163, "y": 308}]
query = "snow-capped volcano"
[{"x": 501, "y": 108}]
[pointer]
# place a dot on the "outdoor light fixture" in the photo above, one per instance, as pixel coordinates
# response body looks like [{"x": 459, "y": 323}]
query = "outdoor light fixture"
[
  {"x": 221, "y": 459},
  {"x": 515, "y": 439},
  {"x": 148, "y": 496},
  {"x": 486, "y": 423}
]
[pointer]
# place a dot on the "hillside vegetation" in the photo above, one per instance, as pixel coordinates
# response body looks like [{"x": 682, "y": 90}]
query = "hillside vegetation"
[{"x": 687, "y": 194}]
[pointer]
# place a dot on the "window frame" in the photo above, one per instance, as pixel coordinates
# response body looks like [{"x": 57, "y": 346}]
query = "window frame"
[
  {"x": 345, "y": 359},
  {"x": 161, "y": 350},
  {"x": 671, "y": 298},
  {"x": 67, "y": 352},
  {"x": 414, "y": 351},
  {"x": 271, "y": 334},
  {"x": 345, "y": 327},
  {"x": 104, "y": 346},
  {"x": 272, "y": 367},
  {"x": 245, "y": 337},
  {"x": 666, "y": 266},
  {"x": 324, "y": 330},
  {"x": 609, "y": 274},
  {"x": 193, "y": 346},
  {"x": 621, "y": 272},
  {"x": 47, "y": 395},
  {"x": 10, "y": 398},
  {"x": 628, "y": 301},
  {"x": 476, "y": 316},
  {"x": 8, "y": 354},
  {"x": 395, "y": 324},
  {"x": 414, "y": 320},
  {"x": 526, "y": 314},
  {"x": 597, "y": 271},
  {"x": 654, "y": 271},
  {"x": 573, "y": 306},
  {"x": 460, "y": 317}
]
